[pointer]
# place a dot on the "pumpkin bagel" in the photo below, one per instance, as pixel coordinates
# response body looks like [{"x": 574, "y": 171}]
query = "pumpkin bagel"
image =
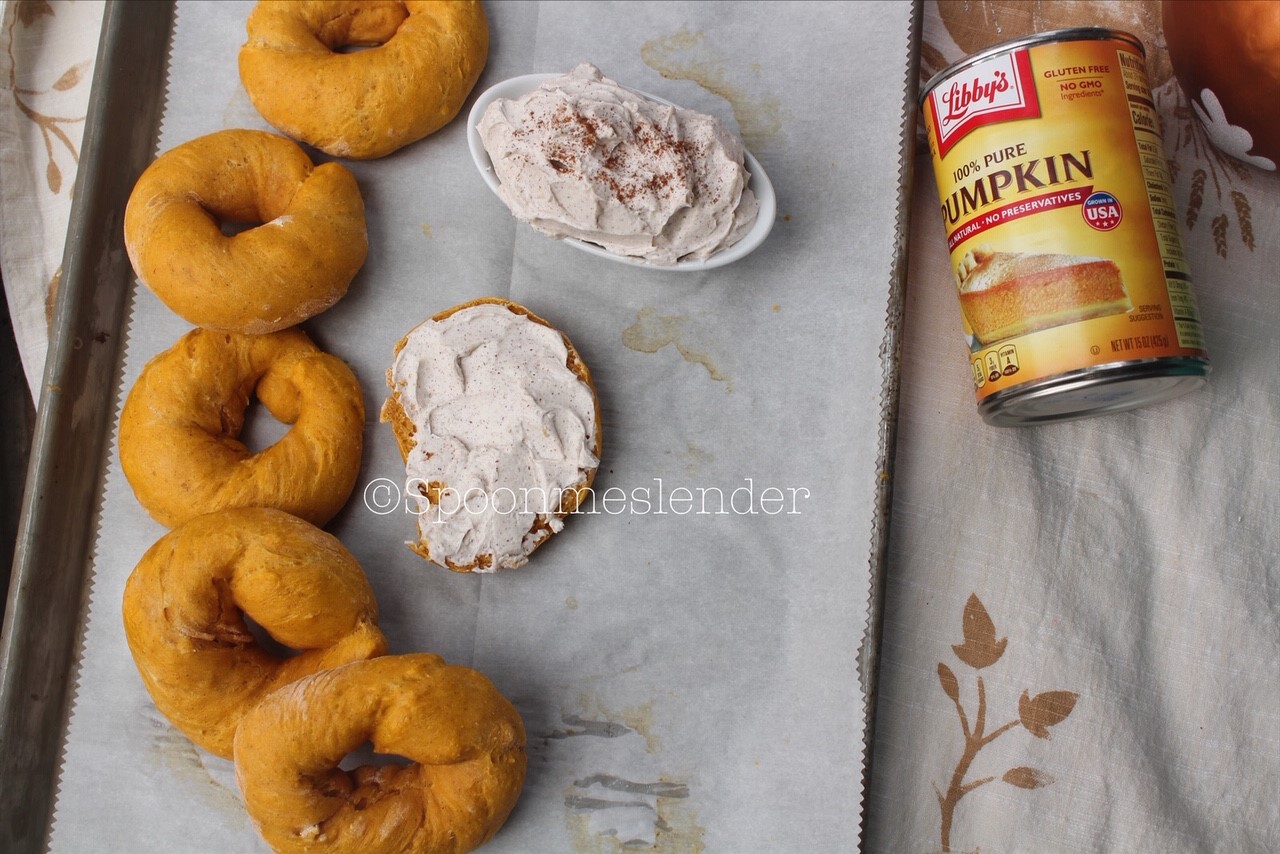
[
  {"x": 422, "y": 59},
  {"x": 308, "y": 243},
  {"x": 185, "y": 605},
  {"x": 180, "y": 427},
  {"x": 464, "y": 741}
]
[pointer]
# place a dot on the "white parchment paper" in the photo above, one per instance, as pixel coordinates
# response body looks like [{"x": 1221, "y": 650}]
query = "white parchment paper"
[{"x": 686, "y": 670}]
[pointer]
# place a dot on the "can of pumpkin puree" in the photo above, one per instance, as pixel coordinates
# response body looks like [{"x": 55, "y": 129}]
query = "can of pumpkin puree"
[{"x": 1075, "y": 294}]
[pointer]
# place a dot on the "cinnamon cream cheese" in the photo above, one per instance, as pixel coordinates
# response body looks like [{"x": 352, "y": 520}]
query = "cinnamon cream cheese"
[
  {"x": 583, "y": 157},
  {"x": 502, "y": 430}
]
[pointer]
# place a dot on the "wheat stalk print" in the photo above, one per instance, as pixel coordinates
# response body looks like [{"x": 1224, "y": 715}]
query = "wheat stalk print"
[
  {"x": 1244, "y": 213},
  {"x": 1036, "y": 714},
  {"x": 1215, "y": 168}
]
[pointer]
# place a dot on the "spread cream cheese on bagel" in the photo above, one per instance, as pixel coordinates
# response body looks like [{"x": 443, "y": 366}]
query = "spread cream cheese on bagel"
[
  {"x": 583, "y": 157},
  {"x": 498, "y": 423}
]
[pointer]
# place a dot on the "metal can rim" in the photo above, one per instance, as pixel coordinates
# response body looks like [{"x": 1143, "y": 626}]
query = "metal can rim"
[
  {"x": 1067, "y": 34},
  {"x": 1007, "y": 408}
]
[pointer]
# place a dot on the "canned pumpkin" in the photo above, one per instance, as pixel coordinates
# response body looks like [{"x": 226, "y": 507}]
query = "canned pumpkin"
[{"x": 1075, "y": 294}]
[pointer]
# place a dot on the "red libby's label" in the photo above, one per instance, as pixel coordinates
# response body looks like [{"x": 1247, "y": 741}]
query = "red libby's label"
[{"x": 999, "y": 89}]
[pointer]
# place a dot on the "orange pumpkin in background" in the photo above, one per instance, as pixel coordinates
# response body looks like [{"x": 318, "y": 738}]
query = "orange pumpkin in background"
[{"x": 1226, "y": 56}]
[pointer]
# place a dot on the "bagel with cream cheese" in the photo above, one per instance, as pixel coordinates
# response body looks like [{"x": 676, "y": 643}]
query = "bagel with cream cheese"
[
  {"x": 498, "y": 421},
  {"x": 422, "y": 59}
]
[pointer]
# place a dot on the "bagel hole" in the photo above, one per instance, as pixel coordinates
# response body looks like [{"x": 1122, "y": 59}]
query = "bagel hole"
[
  {"x": 268, "y": 644},
  {"x": 261, "y": 429},
  {"x": 232, "y": 229},
  {"x": 357, "y": 48},
  {"x": 365, "y": 755}
]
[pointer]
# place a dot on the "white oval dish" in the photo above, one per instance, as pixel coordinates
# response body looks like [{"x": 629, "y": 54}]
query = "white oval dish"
[{"x": 758, "y": 183}]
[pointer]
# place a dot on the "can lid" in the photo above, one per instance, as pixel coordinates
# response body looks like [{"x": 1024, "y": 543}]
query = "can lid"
[
  {"x": 1068, "y": 34},
  {"x": 1095, "y": 391}
]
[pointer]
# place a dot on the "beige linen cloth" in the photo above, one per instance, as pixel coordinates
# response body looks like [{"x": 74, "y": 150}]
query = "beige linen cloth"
[
  {"x": 1081, "y": 643},
  {"x": 46, "y": 71},
  {"x": 1081, "y": 647}
]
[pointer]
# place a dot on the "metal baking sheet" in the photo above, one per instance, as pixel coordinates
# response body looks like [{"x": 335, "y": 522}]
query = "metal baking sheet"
[
  {"x": 57, "y": 528},
  {"x": 47, "y": 615}
]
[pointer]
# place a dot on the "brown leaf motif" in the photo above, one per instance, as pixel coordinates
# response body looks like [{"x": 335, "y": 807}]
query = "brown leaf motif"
[
  {"x": 53, "y": 175},
  {"x": 1026, "y": 778},
  {"x": 950, "y": 685},
  {"x": 1042, "y": 711},
  {"x": 980, "y": 648},
  {"x": 51, "y": 300},
  {"x": 30, "y": 10},
  {"x": 71, "y": 77}
]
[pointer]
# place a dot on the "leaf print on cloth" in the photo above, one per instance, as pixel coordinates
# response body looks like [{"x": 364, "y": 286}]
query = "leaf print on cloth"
[
  {"x": 980, "y": 648},
  {"x": 50, "y": 126},
  {"x": 1042, "y": 711},
  {"x": 1036, "y": 714},
  {"x": 1026, "y": 778},
  {"x": 29, "y": 11}
]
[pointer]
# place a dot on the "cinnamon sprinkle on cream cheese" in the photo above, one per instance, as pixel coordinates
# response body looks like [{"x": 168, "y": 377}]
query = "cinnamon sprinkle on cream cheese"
[
  {"x": 503, "y": 429},
  {"x": 583, "y": 157}
]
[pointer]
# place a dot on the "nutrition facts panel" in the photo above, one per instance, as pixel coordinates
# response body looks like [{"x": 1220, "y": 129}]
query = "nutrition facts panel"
[{"x": 1155, "y": 170}]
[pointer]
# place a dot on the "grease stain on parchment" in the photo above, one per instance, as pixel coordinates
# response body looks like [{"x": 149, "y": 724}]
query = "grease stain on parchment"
[
  {"x": 595, "y": 720},
  {"x": 576, "y": 725},
  {"x": 652, "y": 331},
  {"x": 694, "y": 458},
  {"x": 174, "y": 752},
  {"x": 684, "y": 55},
  {"x": 610, "y": 815},
  {"x": 607, "y": 813}
]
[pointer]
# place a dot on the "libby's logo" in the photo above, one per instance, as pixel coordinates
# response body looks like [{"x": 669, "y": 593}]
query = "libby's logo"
[
  {"x": 999, "y": 89},
  {"x": 973, "y": 92}
]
